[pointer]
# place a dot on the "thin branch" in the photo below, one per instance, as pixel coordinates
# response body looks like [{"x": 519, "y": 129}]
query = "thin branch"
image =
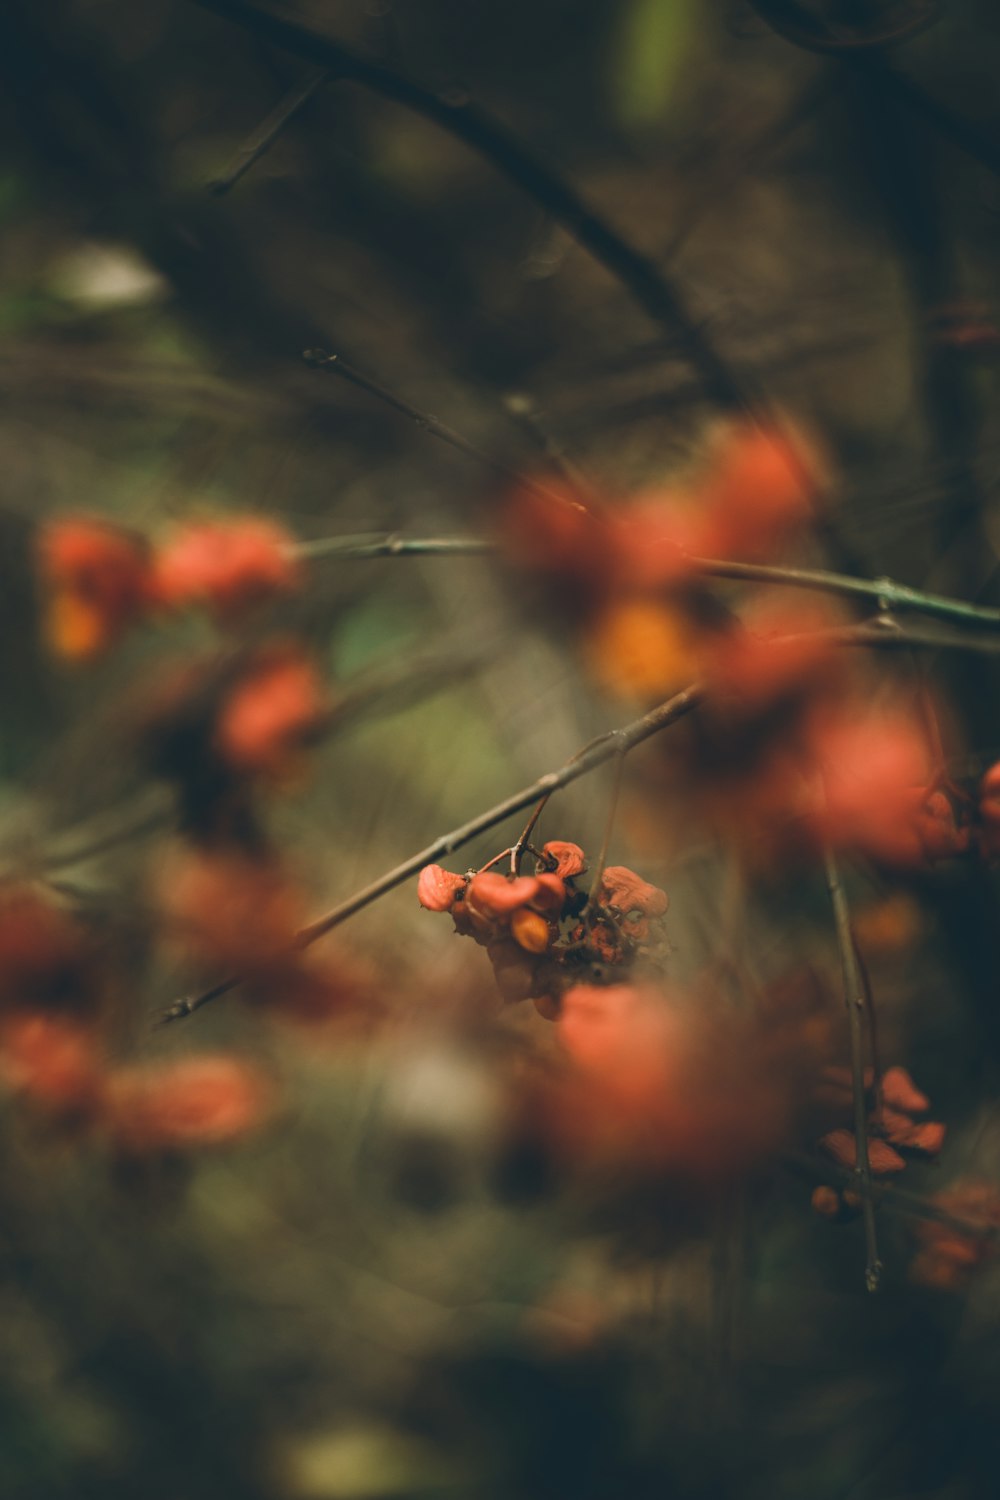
[
  {"x": 522, "y": 408},
  {"x": 962, "y": 132},
  {"x": 798, "y": 26},
  {"x": 456, "y": 114},
  {"x": 267, "y": 132},
  {"x": 517, "y": 850},
  {"x": 898, "y": 1200},
  {"x": 320, "y": 359},
  {"x": 616, "y": 743},
  {"x": 379, "y": 545},
  {"x": 883, "y": 632},
  {"x": 884, "y": 592},
  {"x": 609, "y": 823},
  {"x": 854, "y": 996}
]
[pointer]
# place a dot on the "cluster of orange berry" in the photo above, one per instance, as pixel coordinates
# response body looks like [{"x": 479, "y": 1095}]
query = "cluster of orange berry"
[
  {"x": 100, "y": 578},
  {"x": 543, "y": 933},
  {"x": 55, "y": 1058}
]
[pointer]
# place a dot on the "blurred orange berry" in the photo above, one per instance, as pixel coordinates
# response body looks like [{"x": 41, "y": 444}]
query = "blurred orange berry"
[
  {"x": 96, "y": 579},
  {"x": 557, "y": 536},
  {"x": 639, "y": 648},
  {"x": 950, "y": 1255},
  {"x": 195, "y": 1101},
  {"x": 875, "y": 768},
  {"x": 651, "y": 1084},
  {"x": 778, "y": 656},
  {"x": 47, "y": 962},
  {"x": 842, "y": 1146},
  {"x": 888, "y": 926},
  {"x": 52, "y": 1060},
  {"x": 275, "y": 708},
  {"x": 654, "y": 540},
  {"x": 227, "y": 908},
  {"x": 760, "y": 485},
  {"x": 513, "y": 969},
  {"x": 826, "y": 1202},
  {"x": 900, "y": 1092},
  {"x": 226, "y": 566}
]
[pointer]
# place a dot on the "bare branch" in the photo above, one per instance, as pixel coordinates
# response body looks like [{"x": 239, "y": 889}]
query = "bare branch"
[
  {"x": 854, "y": 996},
  {"x": 455, "y": 113},
  {"x": 616, "y": 743},
  {"x": 267, "y": 132},
  {"x": 884, "y": 592},
  {"x": 319, "y": 359}
]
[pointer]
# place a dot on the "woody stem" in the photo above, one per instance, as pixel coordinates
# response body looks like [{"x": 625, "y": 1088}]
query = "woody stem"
[
  {"x": 602, "y": 858},
  {"x": 518, "y": 849},
  {"x": 854, "y": 996}
]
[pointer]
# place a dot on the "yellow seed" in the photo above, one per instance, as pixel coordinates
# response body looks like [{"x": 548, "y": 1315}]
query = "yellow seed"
[{"x": 530, "y": 931}]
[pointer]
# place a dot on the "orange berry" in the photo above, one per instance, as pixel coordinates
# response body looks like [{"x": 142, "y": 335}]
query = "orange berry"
[
  {"x": 826, "y": 1202},
  {"x": 530, "y": 931}
]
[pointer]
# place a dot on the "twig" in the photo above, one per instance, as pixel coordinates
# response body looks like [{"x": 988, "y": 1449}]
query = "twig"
[
  {"x": 524, "y": 411},
  {"x": 798, "y": 26},
  {"x": 320, "y": 359},
  {"x": 267, "y": 132},
  {"x": 962, "y": 132},
  {"x": 145, "y": 823},
  {"x": 455, "y": 113},
  {"x": 616, "y": 742},
  {"x": 365, "y": 546},
  {"x": 609, "y": 823},
  {"x": 517, "y": 850},
  {"x": 884, "y": 632},
  {"x": 898, "y": 1200},
  {"x": 854, "y": 996},
  {"x": 884, "y": 592}
]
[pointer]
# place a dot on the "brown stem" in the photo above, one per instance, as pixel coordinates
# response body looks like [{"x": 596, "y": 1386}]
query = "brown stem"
[
  {"x": 616, "y": 742},
  {"x": 518, "y": 849},
  {"x": 267, "y": 132},
  {"x": 455, "y": 113},
  {"x": 884, "y": 592},
  {"x": 524, "y": 411},
  {"x": 797, "y": 25},
  {"x": 609, "y": 823},
  {"x": 854, "y": 996},
  {"x": 898, "y": 1200},
  {"x": 321, "y": 360}
]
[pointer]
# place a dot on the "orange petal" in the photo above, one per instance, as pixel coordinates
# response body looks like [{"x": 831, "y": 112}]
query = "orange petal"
[
  {"x": 437, "y": 888},
  {"x": 570, "y": 858},
  {"x": 900, "y": 1092},
  {"x": 496, "y": 895}
]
